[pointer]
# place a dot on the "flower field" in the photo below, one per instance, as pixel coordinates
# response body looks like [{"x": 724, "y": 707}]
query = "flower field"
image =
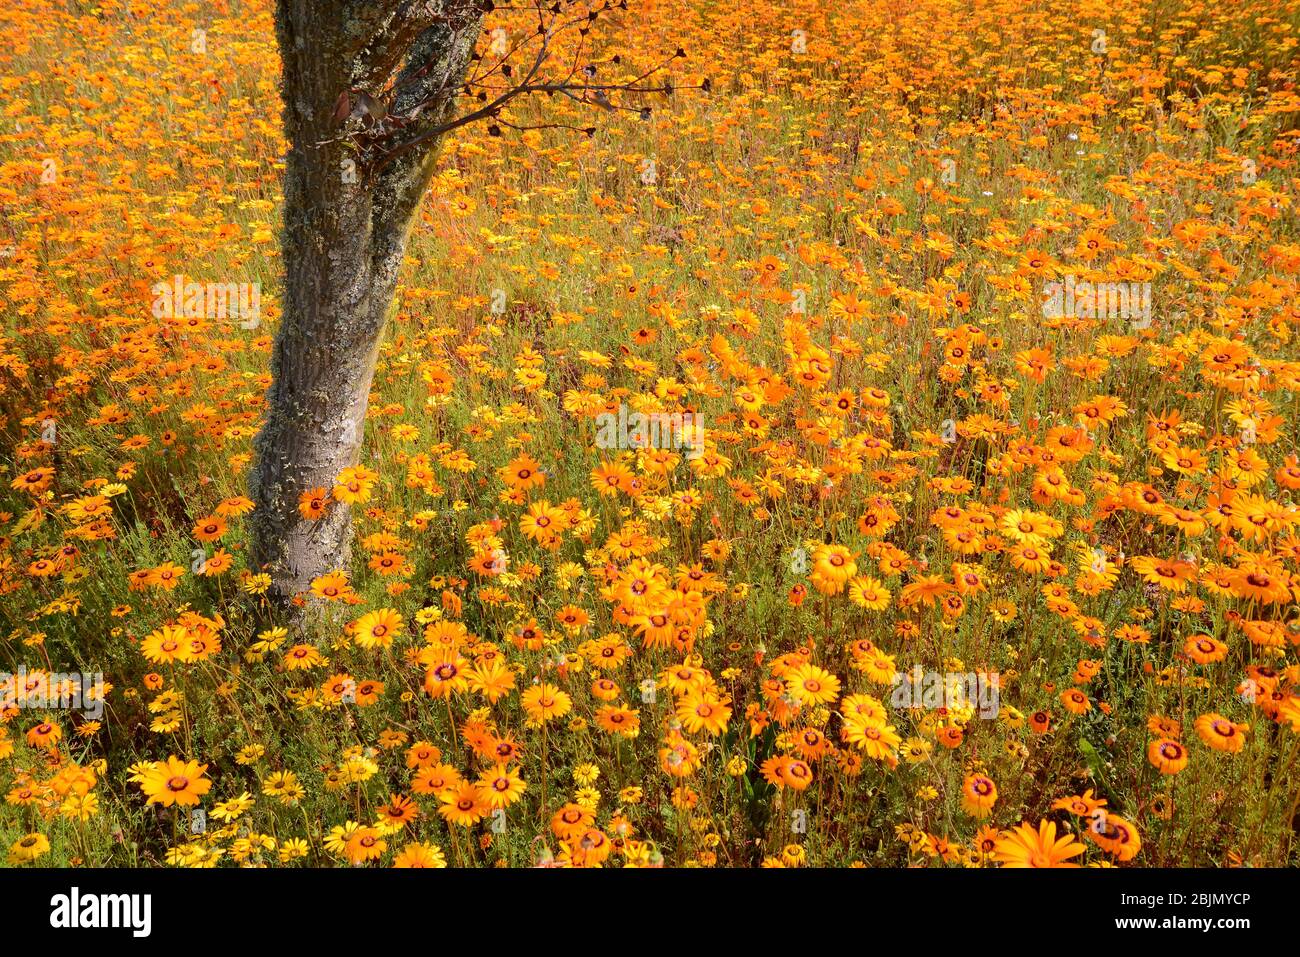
[{"x": 881, "y": 451}]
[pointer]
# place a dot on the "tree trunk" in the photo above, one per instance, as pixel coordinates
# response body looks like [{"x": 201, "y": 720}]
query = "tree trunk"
[{"x": 346, "y": 222}]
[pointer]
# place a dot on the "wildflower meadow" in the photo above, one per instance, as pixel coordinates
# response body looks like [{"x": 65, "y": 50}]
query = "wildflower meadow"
[{"x": 815, "y": 434}]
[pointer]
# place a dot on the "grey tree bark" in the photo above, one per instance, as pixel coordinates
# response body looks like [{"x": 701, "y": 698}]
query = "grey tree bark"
[{"x": 346, "y": 223}]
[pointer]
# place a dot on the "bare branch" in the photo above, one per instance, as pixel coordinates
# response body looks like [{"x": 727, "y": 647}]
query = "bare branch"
[{"x": 592, "y": 94}]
